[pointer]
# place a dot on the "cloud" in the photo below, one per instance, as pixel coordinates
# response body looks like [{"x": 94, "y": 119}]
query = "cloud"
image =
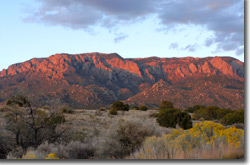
[
  {"x": 82, "y": 14},
  {"x": 120, "y": 37},
  {"x": 191, "y": 47},
  {"x": 240, "y": 51},
  {"x": 224, "y": 18},
  {"x": 174, "y": 45}
]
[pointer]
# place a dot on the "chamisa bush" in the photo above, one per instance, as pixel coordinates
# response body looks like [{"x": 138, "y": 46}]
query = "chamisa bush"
[
  {"x": 72, "y": 150},
  {"x": 206, "y": 140}
]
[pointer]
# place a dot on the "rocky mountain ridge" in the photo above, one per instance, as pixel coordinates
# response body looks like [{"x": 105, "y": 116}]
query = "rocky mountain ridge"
[{"x": 94, "y": 79}]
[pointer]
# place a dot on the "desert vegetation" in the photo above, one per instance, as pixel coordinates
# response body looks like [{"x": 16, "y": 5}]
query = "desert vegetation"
[
  {"x": 27, "y": 132},
  {"x": 206, "y": 140}
]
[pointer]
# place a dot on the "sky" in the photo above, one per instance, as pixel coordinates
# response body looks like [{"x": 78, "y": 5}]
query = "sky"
[{"x": 142, "y": 28}]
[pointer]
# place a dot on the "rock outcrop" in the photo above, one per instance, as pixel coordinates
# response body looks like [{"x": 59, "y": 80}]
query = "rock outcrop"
[{"x": 94, "y": 79}]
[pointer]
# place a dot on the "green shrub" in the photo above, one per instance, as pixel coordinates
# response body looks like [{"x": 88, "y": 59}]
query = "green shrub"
[
  {"x": 113, "y": 111},
  {"x": 102, "y": 109},
  {"x": 172, "y": 117},
  {"x": 184, "y": 120},
  {"x": 235, "y": 117},
  {"x": 153, "y": 115},
  {"x": 220, "y": 113},
  {"x": 194, "y": 108},
  {"x": 166, "y": 105},
  {"x": 167, "y": 118},
  {"x": 21, "y": 101},
  {"x": 143, "y": 108},
  {"x": 118, "y": 105},
  {"x": 211, "y": 113},
  {"x": 46, "y": 107},
  {"x": 135, "y": 107},
  {"x": 66, "y": 110}
]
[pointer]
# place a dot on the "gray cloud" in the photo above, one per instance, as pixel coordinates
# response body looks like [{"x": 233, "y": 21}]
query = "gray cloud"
[
  {"x": 82, "y": 14},
  {"x": 191, "y": 47},
  {"x": 225, "y": 18},
  {"x": 120, "y": 37},
  {"x": 174, "y": 45},
  {"x": 240, "y": 51}
]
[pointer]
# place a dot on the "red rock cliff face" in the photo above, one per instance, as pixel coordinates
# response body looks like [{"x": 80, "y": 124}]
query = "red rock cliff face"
[{"x": 109, "y": 77}]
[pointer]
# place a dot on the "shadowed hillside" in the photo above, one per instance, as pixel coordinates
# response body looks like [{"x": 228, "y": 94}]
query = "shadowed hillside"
[{"x": 92, "y": 80}]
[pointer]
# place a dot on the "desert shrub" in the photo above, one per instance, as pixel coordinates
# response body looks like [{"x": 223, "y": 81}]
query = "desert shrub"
[
  {"x": 30, "y": 127},
  {"x": 126, "y": 107},
  {"x": 211, "y": 113},
  {"x": 118, "y": 105},
  {"x": 46, "y": 107},
  {"x": 98, "y": 113},
  {"x": 102, "y": 109},
  {"x": 73, "y": 150},
  {"x": 19, "y": 100},
  {"x": 172, "y": 117},
  {"x": 220, "y": 113},
  {"x": 17, "y": 152},
  {"x": 236, "y": 125},
  {"x": 206, "y": 140},
  {"x": 7, "y": 142},
  {"x": 153, "y": 115},
  {"x": 208, "y": 113},
  {"x": 166, "y": 105},
  {"x": 143, "y": 108},
  {"x": 113, "y": 111},
  {"x": 66, "y": 110},
  {"x": 79, "y": 136},
  {"x": 184, "y": 120},
  {"x": 194, "y": 108},
  {"x": 167, "y": 118},
  {"x": 201, "y": 119},
  {"x": 78, "y": 150},
  {"x": 235, "y": 117},
  {"x": 135, "y": 107},
  {"x": 123, "y": 137}
]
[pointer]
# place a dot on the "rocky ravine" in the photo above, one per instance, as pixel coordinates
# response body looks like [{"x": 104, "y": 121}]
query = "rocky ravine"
[{"x": 92, "y": 80}]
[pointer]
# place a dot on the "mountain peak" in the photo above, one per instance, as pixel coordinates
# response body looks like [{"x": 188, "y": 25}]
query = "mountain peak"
[{"x": 82, "y": 79}]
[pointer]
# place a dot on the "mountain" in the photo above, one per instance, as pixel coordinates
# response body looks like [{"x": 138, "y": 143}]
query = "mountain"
[{"x": 92, "y": 80}]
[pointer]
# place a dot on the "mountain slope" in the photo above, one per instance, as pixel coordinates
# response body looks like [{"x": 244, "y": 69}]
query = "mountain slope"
[{"x": 92, "y": 80}]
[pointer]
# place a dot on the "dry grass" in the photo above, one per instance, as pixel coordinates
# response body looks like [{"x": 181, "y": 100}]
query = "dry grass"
[
  {"x": 95, "y": 134},
  {"x": 91, "y": 123}
]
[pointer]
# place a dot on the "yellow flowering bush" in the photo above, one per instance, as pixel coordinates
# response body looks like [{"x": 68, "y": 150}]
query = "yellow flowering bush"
[
  {"x": 204, "y": 138},
  {"x": 51, "y": 156},
  {"x": 31, "y": 155}
]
